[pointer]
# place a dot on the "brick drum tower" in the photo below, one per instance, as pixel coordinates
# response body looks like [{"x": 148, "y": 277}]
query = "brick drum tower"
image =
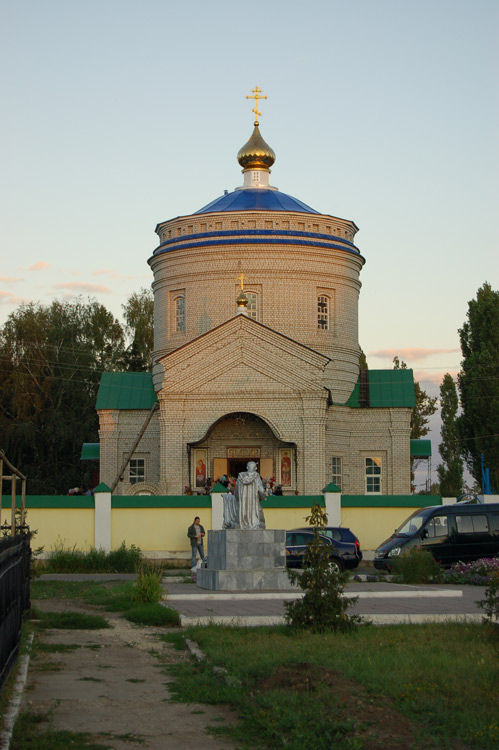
[{"x": 256, "y": 354}]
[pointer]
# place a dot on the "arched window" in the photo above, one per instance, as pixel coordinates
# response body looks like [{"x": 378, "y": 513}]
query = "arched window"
[
  {"x": 373, "y": 475},
  {"x": 137, "y": 470},
  {"x": 336, "y": 475},
  {"x": 323, "y": 312},
  {"x": 179, "y": 314},
  {"x": 252, "y": 306}
]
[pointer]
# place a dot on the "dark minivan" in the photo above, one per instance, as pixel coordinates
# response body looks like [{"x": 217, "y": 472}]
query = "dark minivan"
[{"x": 452, "y": 533}]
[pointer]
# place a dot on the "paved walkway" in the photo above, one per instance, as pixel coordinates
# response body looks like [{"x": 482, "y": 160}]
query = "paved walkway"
[
  {"x": 113, "y": 686},
  {"x": 382, "y": 603}
]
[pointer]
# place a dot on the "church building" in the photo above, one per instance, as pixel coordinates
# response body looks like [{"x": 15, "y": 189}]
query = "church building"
[{"x": 256, "y": 356}]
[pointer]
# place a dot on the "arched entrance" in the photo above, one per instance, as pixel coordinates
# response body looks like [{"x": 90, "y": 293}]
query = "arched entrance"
[{"x": 235, "y": 439}]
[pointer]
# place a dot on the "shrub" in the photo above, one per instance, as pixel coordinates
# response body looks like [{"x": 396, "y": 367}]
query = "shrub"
[
  {"x": 124, "y": 559},
  {"x": 147, "y": 588},
  {"x": 416, "y": 566},
  {"x": 323, "y": 606},
  {"x": 490, "y": 604},
  {"x": 71, "y": 560},
  {"x": 153, "y": 614},
  {"x": 477, "y": 573}
]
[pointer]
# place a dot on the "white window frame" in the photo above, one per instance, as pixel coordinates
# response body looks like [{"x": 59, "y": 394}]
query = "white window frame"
[
  {"x": 178, "y": 305},
  {"x": 253, "y": 306},
  {"x": 137, "y": 472},
  {"x": 323, "y": 314},
  {"x": 337, "y": 470},
  {"x": 373, "y": 469}
]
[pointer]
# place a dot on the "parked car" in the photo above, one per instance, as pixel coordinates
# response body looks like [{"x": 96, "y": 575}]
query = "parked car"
[
  {"x": 345, "y": 547},
  {"x": 345, "y": 542},
  {"x": 452, "y": 533}
]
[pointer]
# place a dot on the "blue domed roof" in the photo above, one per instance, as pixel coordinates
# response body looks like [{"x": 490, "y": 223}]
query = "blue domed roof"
[{"x": 256, "y": 200}]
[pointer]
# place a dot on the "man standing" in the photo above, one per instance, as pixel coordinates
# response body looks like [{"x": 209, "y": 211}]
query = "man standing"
[{"x": 196, "y": 532}]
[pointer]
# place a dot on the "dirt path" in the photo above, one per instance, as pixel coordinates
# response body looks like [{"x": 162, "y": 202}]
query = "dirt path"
[{"x": 114, "y": 686}]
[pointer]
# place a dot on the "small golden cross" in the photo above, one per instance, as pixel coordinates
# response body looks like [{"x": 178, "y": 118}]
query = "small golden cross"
[
  {"x": 241, "y": 280},
  {"x": 256, "y": 96}
]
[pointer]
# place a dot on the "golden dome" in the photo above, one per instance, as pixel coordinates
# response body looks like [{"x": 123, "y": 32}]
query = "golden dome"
[
  {"x": 242, "y": 300},
  {"x": 256, "y": 154}
]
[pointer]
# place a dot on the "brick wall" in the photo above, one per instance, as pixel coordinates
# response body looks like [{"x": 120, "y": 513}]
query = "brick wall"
[
  {"x": 287, "y": 279},
  {"x": 117, "y": 434},
  {"x": 285, "y": 372}
]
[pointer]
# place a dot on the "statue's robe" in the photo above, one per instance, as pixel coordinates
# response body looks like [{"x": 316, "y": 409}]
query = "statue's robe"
[
  {"x": 231, "y": 511},
  {"x": 249, "y": 492}
]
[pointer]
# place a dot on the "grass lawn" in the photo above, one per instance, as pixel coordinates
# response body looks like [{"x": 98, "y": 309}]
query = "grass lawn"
[
  {"x": 69, "y": 620},
  {"x": 432, "y": 686},
  {"x": 113, "y": 597},
  {"x": 27, "y": 736}
]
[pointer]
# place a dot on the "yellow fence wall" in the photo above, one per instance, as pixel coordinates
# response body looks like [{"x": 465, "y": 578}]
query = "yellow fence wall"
[
  {"x": 286, "y": 518},
  {"x": 373, "y": 525},
  {"x": 159, "y": 525},
  {"x": 165, "y": 529},
  {"x": 56, "y": 527},
  {"x": 156, "y": 529}
]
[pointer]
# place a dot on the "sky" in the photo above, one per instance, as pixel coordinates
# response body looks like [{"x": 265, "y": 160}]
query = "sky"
[{"x": 119, "y": 114}]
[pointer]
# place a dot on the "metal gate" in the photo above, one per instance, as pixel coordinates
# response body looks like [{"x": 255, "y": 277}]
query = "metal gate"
[{"x": 14, "y": 597}]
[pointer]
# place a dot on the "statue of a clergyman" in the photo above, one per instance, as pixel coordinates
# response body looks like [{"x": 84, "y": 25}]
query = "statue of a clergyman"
[{"x": 243, "y": 510}]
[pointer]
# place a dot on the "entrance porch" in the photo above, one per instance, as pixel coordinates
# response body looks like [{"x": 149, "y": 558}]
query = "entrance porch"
[{"x": 234, "y": 440}]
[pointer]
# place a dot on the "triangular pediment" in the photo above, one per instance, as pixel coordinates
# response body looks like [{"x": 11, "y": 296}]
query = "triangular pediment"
[{"x": 243, "y": 356}]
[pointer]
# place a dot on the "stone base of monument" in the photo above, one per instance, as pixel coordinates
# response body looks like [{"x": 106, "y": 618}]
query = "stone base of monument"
[{"x": 245, "y": 560}]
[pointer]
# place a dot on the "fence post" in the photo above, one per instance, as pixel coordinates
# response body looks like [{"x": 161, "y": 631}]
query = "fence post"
[
  {"x": 13, "y": 505},
  {"x": 217, "y": 506},
  {"x": 102, "y": 517},
  {"x": 332, "y": 502}
]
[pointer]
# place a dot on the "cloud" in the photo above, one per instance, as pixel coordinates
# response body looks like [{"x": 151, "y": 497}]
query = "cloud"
[
  {"x": 76, "y": 286},
  {"x": 6, "y": 298},
  {"x": 113, "y": 274},
  {"x": 410, "y": 353},
  {"x": 425, "y": 376},
  {"x": 40, "y": 266},
  {"x": 10, "y": 279}
]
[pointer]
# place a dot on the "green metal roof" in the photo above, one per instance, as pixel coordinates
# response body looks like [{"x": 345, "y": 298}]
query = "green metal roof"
[
  {"x": 421, "y": 448},
  {"x": 90, "y": 452},
  {"x": 387, "y": 388},
  {"x": 134, "y": 390},
  {"x": 126, "y": 390}
]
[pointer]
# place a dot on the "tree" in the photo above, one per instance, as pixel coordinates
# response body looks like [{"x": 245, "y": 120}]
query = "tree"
[
  {"x": 139, "y": 318},
  {"x": 478, "y": 384},
  {"x": 363, "y": 361},
  {"x": 51, "y": 359},
  {"x": 322, "y": 607},
  {"x": 421, "y": 413},
  {"x": 450, "y": 472},
  {"x": 425, "y": 406}
]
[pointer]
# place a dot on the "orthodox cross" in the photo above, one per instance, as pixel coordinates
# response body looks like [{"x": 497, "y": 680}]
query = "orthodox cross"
[
  {"x": 256, "y": 96},
  {"x": 241, "y": 280}
]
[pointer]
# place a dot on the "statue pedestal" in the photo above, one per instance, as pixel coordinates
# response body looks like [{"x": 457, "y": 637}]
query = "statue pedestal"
[{"x": 245, "y": 560}]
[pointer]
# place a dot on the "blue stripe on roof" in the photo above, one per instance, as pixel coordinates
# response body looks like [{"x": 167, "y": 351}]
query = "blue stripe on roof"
[
  {"x": 258, "y": 199},
  {"x": 242, "y": 241},
  {"x": 255, "y": 232}
]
